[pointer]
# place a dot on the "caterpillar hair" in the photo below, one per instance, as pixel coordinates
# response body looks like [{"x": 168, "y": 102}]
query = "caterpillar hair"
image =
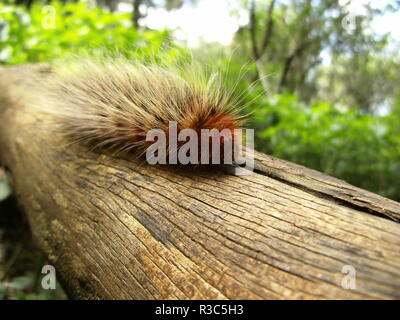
[{"x": 111, "y": 103}]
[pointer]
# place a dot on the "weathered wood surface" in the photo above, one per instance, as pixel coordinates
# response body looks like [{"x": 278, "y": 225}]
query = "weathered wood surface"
[{"x": 118, "y": 228}]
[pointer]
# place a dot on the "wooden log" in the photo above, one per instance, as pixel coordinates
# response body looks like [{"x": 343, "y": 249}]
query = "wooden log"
[{"x": 118, "y": 228}]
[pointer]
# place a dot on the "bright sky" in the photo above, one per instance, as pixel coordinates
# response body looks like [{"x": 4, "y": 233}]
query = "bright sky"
[
  {"x": 211, "y": 21},
  {"x": 388, "y": 23}
]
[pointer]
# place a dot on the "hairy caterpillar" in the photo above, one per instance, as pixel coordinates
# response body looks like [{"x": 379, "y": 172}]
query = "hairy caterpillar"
[{"x": 113, "y": 103}]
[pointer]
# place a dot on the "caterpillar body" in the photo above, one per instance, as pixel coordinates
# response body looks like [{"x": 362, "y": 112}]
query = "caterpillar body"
[{"x": 113, "y": 103}]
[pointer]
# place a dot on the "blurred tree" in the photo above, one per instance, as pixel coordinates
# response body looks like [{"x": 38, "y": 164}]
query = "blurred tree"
[
  {"x": 363, "y": 70},
  {"x": 259, "y": 50},
  {"x": 292, "y": 41},
  {"x": 294, "y": 34}
]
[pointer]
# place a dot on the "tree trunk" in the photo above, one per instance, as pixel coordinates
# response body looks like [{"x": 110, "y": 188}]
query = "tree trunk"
[
  {"x": 118, "y": 228},
  {"x": 259, "y": 52},
  {"x": 136, "y": 13}
]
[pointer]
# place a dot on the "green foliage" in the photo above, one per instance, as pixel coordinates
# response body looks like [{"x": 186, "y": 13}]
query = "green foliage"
[
  {"x": 361, "y": 149},
  {"x": 55, "y": 31}
]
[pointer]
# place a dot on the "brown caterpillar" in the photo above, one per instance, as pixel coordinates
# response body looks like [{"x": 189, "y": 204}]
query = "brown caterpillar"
[{"x": 112, "y": 103}]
